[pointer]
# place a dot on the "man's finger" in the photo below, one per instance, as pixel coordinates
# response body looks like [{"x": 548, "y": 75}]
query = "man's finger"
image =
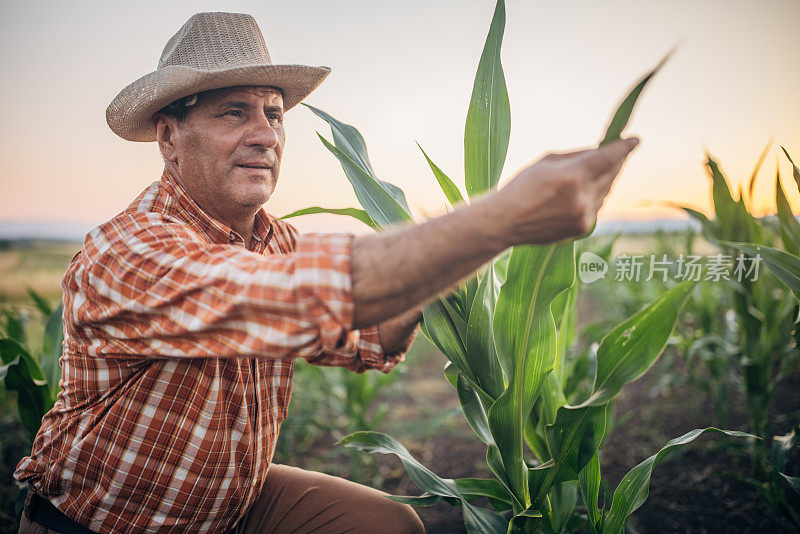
[{"x": 610, "y": 156}]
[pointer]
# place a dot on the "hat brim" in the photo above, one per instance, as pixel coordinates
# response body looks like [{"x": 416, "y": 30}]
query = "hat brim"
[{"x": 130, "y": 113}]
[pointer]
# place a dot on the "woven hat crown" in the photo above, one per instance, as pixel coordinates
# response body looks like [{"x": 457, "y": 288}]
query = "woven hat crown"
[
  {"x": 210, "y": 51},
  {"x": 209, "y": 41}
]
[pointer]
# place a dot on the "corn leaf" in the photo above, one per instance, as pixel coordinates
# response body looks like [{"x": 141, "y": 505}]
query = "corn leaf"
[
  {"x": 14, "y": 328},
  {"x": 572, "y": 439},
  {"x": 724, "y": 205},
  {"x": 448, "y": 187},
  {"x": 790, "y": 228},
  {"x": 525, "y": 338},
  {"x": 625, "y": 109},
  {"x": 381, "y": 206},
  {"x": 477, "y": 520},
  {"x": 349, "y": 140},
  {"x": 481, "y": 352},
  {"x": 752, "y": 182},
  {"x": 785, "y": 266},
  {"x": 22, "y": 374},
  {"x": 489, "y": 116},
  {"x": 471, "y": 406},
  {"x": 563, "y": 498},
  {"x": 40, "y": 302},
  {"x": 632, "y": 491},
  {"x": 634, "y": 345},
  {"x": 623, "y": 356},
  {"x": 52, "y": 348},
  {"x": 589, "y": 483},
  {"x": 472, "y": 488},
  {"x": 795, "y": 170},
  {"x": 356, "y": 213}
]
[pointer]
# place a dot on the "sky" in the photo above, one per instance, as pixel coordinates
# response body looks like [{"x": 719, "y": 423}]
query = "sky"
[{"x": 403, "y": 72}]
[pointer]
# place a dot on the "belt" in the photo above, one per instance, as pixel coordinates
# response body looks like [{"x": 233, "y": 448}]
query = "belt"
[{"x": 42, "y": 511}]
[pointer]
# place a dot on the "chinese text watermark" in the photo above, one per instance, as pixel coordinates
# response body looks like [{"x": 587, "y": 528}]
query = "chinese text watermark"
[{"x": 647, "y": 267}]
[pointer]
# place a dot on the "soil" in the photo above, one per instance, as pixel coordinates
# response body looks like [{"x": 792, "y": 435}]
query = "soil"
[{"x": 697, "y": 489}]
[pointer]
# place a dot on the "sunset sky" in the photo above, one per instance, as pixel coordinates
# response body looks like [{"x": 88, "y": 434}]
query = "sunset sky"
[{"x": 403, "y": 72}]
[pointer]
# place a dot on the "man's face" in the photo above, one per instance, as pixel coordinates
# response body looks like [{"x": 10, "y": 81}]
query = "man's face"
[{"x": 228, "y": 150}]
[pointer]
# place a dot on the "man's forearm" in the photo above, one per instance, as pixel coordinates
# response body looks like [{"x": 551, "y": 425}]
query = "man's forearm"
[
  {"x": 554, "y": 199},
  {"x": 400, "y": 269}
]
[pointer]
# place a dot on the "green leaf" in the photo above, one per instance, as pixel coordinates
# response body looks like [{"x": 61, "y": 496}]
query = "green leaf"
[
  {"x": 473, "y": 409},
  {"x": 525, "y": 338},
  {"x": 563, "y": 499},
  {"x": 374, "y": 198},
  {"x": 448, "y": 187},
  {"x": 14, "y": 327},
  {"x": 724, "y": 205},
  {"x": 52, "y": 349},
  {"x": 625, "y": 109},
  {"x": 356, "y": 213},
  {"x": 480, "y": 349},
  {"x": 489, "y": 116},
  {"x": 472, "y": 488},
  {"x": 624, "y": 355},
  {"x": 589, "y": 483},
  {"x": 477, "y": 520},
  {"x": 572, "y": 439},
  {"x": 444, "y": 327},
  {"x": 632, "y": 347},
  {"x": 795, "y": 170},
  {"x": 426, "y": 499},
  {"x": 752, "y": 182},
  {"x": 350, "y": 142},
  {"x": 632, "y": 491},
  {"x": 22, "y": 374},
  {"x": 785, "y": 266},
  {"x": 40, "y": 302},
  {"x": 790, "y": 228}
]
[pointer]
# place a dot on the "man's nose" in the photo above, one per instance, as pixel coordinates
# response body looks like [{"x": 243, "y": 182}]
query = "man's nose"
[{"x": 261, "y": 133}]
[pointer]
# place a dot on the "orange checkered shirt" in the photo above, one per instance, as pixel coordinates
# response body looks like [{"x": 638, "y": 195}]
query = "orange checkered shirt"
[{"x": 177, "y": 363}]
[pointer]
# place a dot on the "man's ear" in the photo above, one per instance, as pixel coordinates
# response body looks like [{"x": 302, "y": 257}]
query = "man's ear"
[{"x": 165, "y": 135}]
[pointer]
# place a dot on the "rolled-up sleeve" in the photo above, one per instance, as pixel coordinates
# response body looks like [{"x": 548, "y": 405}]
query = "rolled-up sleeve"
[
  {"x": 147, "y": 286},
  {"x": 363, "y": 351}
]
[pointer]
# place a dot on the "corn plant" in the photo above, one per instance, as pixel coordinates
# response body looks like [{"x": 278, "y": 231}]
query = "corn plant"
[
  {"x": 504, "y": 332},
  {"x": 764, "y": 310},
  {"x": 32, "y": 370}
]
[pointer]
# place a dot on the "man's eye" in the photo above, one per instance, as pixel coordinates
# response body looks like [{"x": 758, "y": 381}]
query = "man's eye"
[
  {"x": 234, "y": 113},
  {"x": 276, "y": 117}
]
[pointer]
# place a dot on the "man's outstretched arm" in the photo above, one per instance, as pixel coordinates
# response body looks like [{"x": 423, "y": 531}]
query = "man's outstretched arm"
[{"x": 554, "y": 199}]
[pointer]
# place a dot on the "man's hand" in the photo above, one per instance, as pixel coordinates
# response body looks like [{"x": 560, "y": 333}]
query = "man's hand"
[
  {"x": 554, "y": 199},
  {"x": 558, "y": 197},
  {"x": 398, "y": 333}
]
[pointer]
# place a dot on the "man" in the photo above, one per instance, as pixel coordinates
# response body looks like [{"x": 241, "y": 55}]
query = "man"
[{"x": 184, "y": 313}]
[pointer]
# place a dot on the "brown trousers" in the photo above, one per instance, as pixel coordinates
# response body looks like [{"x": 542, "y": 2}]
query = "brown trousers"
[{"x": 296, "y": 501}]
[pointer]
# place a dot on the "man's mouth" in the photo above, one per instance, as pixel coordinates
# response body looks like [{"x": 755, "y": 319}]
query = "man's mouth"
[{"x": 254, "y": 165}]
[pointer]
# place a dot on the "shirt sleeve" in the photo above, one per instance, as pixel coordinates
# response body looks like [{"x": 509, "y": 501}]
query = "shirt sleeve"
[
  {"x": 148, "y": 286},
  {"x": 362, "y": 351}
]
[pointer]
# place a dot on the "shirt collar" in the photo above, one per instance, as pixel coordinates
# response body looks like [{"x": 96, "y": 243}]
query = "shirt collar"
[{"x": 216, "y": 231}]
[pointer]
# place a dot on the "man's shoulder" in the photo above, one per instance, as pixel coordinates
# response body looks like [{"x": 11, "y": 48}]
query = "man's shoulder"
[{"x": 139, "y": 223}]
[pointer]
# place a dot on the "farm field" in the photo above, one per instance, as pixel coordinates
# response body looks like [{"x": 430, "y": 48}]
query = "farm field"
[{"x": 700, "y": 488}]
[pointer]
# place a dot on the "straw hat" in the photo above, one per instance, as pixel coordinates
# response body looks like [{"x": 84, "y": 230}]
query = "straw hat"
[{"x": 210, "y": 51}]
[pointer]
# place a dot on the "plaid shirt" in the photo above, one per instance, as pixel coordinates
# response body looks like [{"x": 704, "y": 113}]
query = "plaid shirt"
[{"x": 177, "y": 363}]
